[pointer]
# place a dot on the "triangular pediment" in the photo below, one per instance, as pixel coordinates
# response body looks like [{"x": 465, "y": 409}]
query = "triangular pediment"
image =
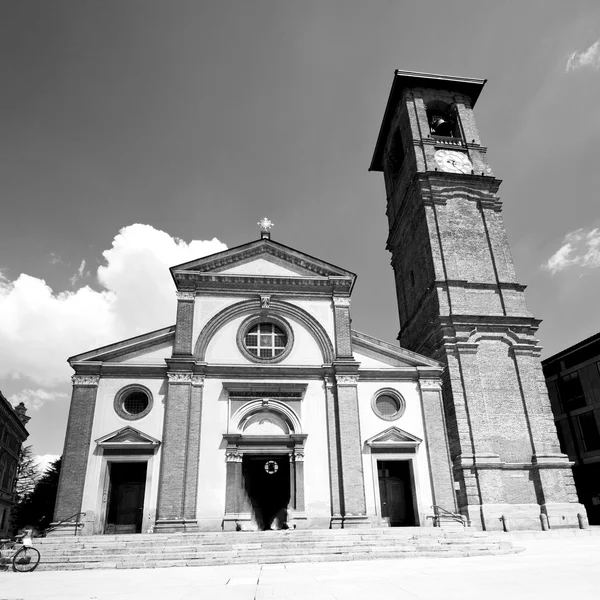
[
  {"x": 382, "y": 354},
  {"x": 148, "y": 348},
  {"x": 265, "y": 257},
  {"x": 128, "y": 437},
  {"x": 394, "y": 437},
  {"x": 266, "y": 265}
]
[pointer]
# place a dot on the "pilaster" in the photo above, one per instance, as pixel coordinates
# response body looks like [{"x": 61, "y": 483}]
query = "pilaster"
[
  {"x": 436, "y": 439},
  {"x": 193, "y": 450},
  {"x": 174, "y": 467},
  {"x": 77, "y": 446},
  {"x": 353, "y": 487},
  {"x": 343, "y": 333},
  {"x": 185, "y": 323},
  {"x": 334, "y": 454}
]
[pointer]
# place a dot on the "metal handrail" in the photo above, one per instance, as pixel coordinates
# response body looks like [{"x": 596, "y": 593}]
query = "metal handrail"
[
  {"x": 447, "y": 513},
  {"x": 78, "y": 524}
]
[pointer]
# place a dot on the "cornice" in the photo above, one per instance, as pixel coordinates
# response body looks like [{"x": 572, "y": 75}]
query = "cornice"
[
  {"x": 217, "y": 282},
  {"x": 120, "y": 370}
]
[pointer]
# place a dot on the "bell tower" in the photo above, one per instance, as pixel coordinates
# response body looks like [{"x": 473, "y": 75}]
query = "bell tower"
[{"x": 459, "y": 302}]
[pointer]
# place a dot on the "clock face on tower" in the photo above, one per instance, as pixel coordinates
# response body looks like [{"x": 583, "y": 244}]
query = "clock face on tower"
[{"x": 452, "y": 161}]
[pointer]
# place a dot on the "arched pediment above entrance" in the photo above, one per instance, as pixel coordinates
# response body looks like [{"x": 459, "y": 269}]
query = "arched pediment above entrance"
[
  {"x": 277, "y": 310},
  {"x": 265, "y": 417},
  {"x": 265, "y": 422}
]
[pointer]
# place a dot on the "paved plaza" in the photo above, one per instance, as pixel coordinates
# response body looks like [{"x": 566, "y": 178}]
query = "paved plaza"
[{"x": 560, "y": 568}]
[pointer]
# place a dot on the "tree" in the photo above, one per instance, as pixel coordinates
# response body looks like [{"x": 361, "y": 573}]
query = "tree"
[
  {"x": 28, "y": 474},
  {"x": 37, "y": 508}
]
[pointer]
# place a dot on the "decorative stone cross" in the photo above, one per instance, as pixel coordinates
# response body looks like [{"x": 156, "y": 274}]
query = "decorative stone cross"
[{"x": 265, "y": 227}]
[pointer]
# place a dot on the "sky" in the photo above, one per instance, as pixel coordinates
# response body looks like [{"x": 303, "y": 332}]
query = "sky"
[{"x": 139, "y": 134}]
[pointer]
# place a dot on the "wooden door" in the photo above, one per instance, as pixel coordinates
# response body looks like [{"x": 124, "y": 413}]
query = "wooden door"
[
  {"x": 126, "y": 497},
  {"x": 395, "y": 492}
]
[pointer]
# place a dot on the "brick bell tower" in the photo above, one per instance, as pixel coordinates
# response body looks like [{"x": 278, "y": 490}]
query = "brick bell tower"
[{"x": 459, "y": 302}]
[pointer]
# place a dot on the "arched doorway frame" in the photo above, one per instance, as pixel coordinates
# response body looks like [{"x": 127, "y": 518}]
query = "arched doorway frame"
[{"x": 237, "y": 506}]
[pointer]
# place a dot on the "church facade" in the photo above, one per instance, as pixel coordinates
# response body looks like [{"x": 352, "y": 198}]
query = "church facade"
[{"x": 262, "y": 408}]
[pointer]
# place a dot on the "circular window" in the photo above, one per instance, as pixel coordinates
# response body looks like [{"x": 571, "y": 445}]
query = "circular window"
[
  {"x": 133, "y": 402},
  {"x": 388, "y": 404},
  {"x": 265, "y": 339}
]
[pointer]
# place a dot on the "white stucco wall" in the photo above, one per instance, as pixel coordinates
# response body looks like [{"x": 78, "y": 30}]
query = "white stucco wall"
[
  {"x": 206, "y": 307},
  {"x": 316, "y": 459},
  {"x": 212, "y": 467},
  {"x": 411, "y": 422},
  {"x": 107, "y": 421}
]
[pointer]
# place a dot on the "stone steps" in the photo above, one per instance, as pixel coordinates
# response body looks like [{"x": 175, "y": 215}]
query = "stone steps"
[{"x": 199, "y": 549}]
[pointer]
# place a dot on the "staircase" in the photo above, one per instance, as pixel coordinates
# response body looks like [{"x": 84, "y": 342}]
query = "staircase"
[{"x": 262, "y": 547}]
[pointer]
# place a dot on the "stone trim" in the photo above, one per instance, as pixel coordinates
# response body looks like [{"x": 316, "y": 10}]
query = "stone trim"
[
  {"x": 346, "y": 379},
  {"x": 179, "y": 377},
  {"x": 185, "y": 296},
  {"x": 91, "y": 380},
  {"x": 233, "y": 457},
  {"x": 198, "y": 380},
  {"x": 341, "y": 301}
]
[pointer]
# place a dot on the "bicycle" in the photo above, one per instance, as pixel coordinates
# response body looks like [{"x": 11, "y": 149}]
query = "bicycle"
[{"x": 20, "y": 552}]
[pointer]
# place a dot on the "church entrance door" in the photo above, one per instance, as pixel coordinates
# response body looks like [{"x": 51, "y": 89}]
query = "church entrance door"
[
  {"x": 267, "y": 483},
  {"x": 395, "y": 492},
  {"x": 126, "y": 497}
]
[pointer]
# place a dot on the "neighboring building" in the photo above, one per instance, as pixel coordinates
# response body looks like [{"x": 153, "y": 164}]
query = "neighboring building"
[
  {"x": 12, "y": 436},
  {"x": 262, "y": 407},
  {"x": 573, "y": 380}
]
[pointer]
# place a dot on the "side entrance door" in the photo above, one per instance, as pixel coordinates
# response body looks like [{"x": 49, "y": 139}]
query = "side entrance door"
[
  {"x": 395, "y": 492},
  {"x": 126, "y": 497}
]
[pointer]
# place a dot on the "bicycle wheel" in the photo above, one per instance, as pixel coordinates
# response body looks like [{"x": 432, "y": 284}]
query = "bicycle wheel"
[{"x": 26, "y": 559}]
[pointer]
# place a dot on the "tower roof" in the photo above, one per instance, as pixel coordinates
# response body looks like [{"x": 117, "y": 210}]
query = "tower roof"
[{"x": 411, "y": 79}]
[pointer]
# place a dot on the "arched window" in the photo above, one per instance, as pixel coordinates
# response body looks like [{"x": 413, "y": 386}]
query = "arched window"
[{"x": 443, "y": 119}]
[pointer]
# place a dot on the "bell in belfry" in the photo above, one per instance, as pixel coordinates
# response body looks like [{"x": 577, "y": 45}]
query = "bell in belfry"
[{"x": 441, "y": 126}]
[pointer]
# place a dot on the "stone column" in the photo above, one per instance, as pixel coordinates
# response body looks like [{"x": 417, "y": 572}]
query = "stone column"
[
  {"x": 237, "y": 506},
  {"x": 173, "y": 466},
  {"x": 185, "y": 323},
  {"x": 353, "y": 488},
  {"x": 334, "y": 455},
  {"x": 298, "y": 460},
  {"x": 436, "y": 441},
  {"x": 76, "y": 450}
]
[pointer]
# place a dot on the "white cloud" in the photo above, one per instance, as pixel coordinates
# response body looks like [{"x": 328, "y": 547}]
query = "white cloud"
[
  {"x": 579, "y": 249},
  {"x": 35, "y": 399},
  {"x": 41, "y": 328},
  {"x": 43, "y": 461},
  {"x": 585, "y": 58}
]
